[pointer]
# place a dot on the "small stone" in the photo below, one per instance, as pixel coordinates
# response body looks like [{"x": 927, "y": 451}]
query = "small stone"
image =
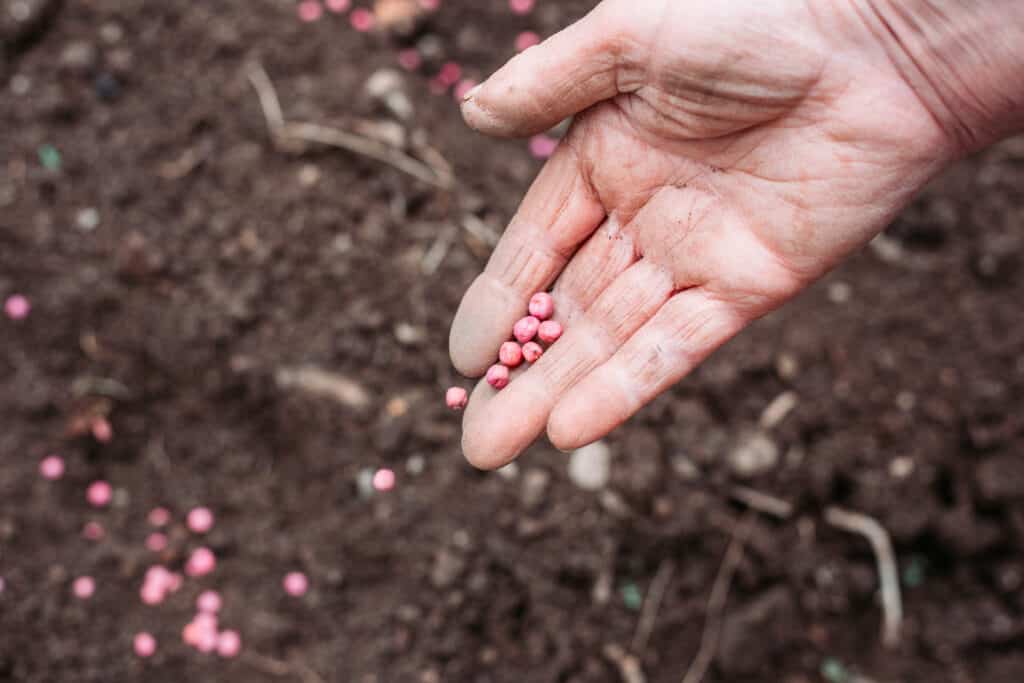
[
  {"x": 685, "y": 468},
  {"x": 839, "y": 292},
  {"x": 87, "y": 219},
  {"x": 754, "y": 453},
  {"x": 535, "y": 487},
  {"x": 410, "y": 335},
  {"x": 78, "y": 56},
  {"x": 448, "y": 566},
  {"x": 590, "y": 466},
  {"x": 106, "y": 86}
]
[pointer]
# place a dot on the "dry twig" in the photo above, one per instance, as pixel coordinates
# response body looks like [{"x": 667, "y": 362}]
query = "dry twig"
[
  {"x": 762, "y": 502},
  {"x": 628, "y": 665},
  {"x": 652, "y": 602},
  {"x": 888, "y": 575},
  {"x": 716, "y": 602}
]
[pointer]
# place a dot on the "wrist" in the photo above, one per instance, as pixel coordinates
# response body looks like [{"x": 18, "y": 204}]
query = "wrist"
[{"x": 964, "y": 60}]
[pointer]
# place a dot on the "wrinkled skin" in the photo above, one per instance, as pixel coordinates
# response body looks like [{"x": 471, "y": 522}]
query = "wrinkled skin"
[{"x": 724, "y": 156}]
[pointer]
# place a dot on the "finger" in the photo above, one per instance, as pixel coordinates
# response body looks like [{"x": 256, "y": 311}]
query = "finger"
[
  {"x": 559, "y": 212},
  {"x": 602, "y": 258},
  {"x": 688, "y": 328},
  {"x": 496, "y": 431},
  {"x": 562, "y": 76}
]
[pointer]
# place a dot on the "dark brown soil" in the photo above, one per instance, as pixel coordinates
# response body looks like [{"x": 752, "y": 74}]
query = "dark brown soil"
[{"x": 221, "y": 266}]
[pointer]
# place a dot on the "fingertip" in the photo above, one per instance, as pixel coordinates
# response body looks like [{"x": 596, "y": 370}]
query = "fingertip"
[{"x": 565, "y": 426}]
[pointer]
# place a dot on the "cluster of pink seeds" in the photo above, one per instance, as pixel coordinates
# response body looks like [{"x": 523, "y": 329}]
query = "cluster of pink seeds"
[{"x": 537, "y": 325}]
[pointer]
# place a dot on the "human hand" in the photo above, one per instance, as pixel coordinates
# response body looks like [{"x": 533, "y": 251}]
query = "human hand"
[{"x": 724, "y": 156}]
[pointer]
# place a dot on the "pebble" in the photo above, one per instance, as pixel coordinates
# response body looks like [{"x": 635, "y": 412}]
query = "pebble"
[
  {"x": 684, "y": 467},
  {"x": 52, "y": 467},
  {"x": 144, "y": 644},
  {"x": 99, "y": 494},
  {"x": 549, "y": 331},
  {"x": 532, "y": 351},
  {"x": 497, "y": 376},
  {"x": 87, "y": 219},
  {"x": 295, "y": 584},
  {"x": 535, "y": 487},
  {"x": 106, "y": 86},
  {"x": 78, "y": 56},
  {"x": 753, "y": 454},
  {"x": 510, "y": 354},
  {"x": 17, "y": 307},
  {"x": 525, "y": 329},
  {"x": 590, "y": 466}
]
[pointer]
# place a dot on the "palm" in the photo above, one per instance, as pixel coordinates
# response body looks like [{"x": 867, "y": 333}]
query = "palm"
[{"x": 678, "y": 210}]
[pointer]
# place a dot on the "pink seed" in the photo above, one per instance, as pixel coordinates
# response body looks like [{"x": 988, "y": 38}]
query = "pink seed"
[
  {"x": 206, "y": 622},
  {"x": 521, "y": 6},
  {"x": 83, "y": 587},
  {"x": 549, "y": 331},
  {"x": 157, "y": 574},
  {"x": 93, "y": 531},
  {"x": 338, "y": 6},
  {"x": 145, "y": 644},
  {"x": 430, "y": 5},
  {"x": 228, "y": 644},
  {"x": 542, "y": 147},
  {"x": 99, "y": 494},
  {"x": 463, "y": 87},
  {"x": 101, "y": 430},
  {"x": 497, "y": 376},
  {"x": 410, "y": 59},
  {"x": 310, "y": 10},
  {"x": 532, "y": 351},
  {"x": 174, "y": 582},
  {"x": 159, "y": 517},
  {"x": 456, "y": 398},
  {"x": 152, "y": 594},
  {"x": 209, "y": 602},
  {"x": 17, "y": 307},
  {"x": 156, "y": 542},
  {"x": 362, "y": 19},
  {"x": 52, "y": 467},
  {"x": 510, "y": 354},
  {"x": 384, "y": 479},
  {"x": 201, "y": 562},
  {"x": 526, "y": 40},
  {"x": 449, "y": 74},
  {"x": 525, "y": 329},
  {"x": 542, "y": 305},
  {"x": 207, "y": 641},
  {"x": 200, "y": 520},
  {"x": 190, "y": 634},
  {"x": 295, "y": 584}
]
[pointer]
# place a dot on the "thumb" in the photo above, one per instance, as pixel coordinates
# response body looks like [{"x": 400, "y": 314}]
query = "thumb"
[{"x": 562, "y": 76}]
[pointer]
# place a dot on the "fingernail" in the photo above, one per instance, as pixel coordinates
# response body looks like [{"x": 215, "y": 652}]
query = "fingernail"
[{"x": 471, "y": 93}]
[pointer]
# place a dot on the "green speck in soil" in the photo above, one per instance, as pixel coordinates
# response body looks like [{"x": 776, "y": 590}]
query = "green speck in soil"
[
  {"x": 632, "y": 598},
  {"x": 832, "y": 670},
  {"x": 49, "y": 157}
]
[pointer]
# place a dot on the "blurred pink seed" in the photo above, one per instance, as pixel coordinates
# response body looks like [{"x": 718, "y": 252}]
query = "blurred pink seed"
[
  {"x": 190, "y": 634},
  {"x": 52, "y": 467},
  {"x": 456, "y": 398},
  {"x": 362, "y": 19},
  {"x": 200, "y": 520},
  {"x": 93, "y": 531},
  {"x": 174, "y": 582},
  {"x": 201, "y": 562},
  {"x": 101, "y": 430},
  {"x": 450, "y": 73},
  {"x": 510, "y": 354},
  {"x": 99, "y": 494},
  {"x": 463, "y": 87},
  {"x": 497, "y": 376},
  {"x": 207, "y": 641},
  {"x": 410, "y": 59},
  {"x": 526, "y": 40},
  {"x": 209, "y": 602},
  {"x": 159, "y": 516},
  {"x": 17, "y": 307},
  {"x": 229, "y": 643},
  {"x": 152, "y": 593},
  {"x": 542, "y": 306},
  {"x": 549, "y": 331},
  {"x": 295, "y": 584},
  {"x": 310, "y": 10},
  {"x": 156, "y": 542},
  {"x": 542, "y": 147},
  {"x": 430, "y": 5},
  {"x": 521, "y": 6},
  {"x": 525, "y": 329},
  {"x": 83, "y": 587},
  {"x": 532, "y": 351},
  {"x": 338, "y": 6},
  {"x": 206, "y": 622},
  {"x": 384, "y": 479},
  {"x": 145, "y": 644}
]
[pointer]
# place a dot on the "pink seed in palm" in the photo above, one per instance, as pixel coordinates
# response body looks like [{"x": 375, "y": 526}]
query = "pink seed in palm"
[
  {"x": 456, "y": 398},
  {"x": 144, "y": 644},
  {"x": 542, "y": 306},
  {"x": 209, "y": 602},
  {"x": 497, "y": 376},
  {"x": 526, "y": 40},
  {"x": 200, "y": 520},
  {"x": 542, "y": 147},
  {"x": 521, "y": 6},
  {"x": 83, "y": 587},
  {"x": 549, "y": 331},
  {"x": 532, "y": 351},
  {"x": 510, "y": 354},
  {"x": 99, "y": 494},
  {"x": 310, "y": 10},
  {"x": 229, "y": 643},
  {"x": 52, "y": 467},
  {"x": 525, "y": 329},
  {"x": 295, "y": 584},
  {"x": 362, "y": 19},
  {"x": 17, "y": 307}
]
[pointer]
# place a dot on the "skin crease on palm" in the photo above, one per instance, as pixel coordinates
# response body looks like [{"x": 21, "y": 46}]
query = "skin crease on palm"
[{"x": 723, "y": 156}]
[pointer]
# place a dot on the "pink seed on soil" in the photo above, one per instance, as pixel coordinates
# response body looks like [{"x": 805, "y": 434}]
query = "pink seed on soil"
[
  {"x": 532, "y": 351},
  {"x": 152, "y": 594},
  {"x": 209, "y": 601},
  {"x": 200, "y": 520},
  {"x": 93, "y": 531},
  {"x": 310, "y": 10},
  {"x": 542, "y": 147},
  {"x": 295, "y": 584},
  {"x": 549, "y": 331},
  {"x": 207, "y": 641},
  {"x": 145, "y": 644},
  {"x": 201, "y": 562},
  {"x": 99, "y": 494},
  {"x": 542, "y": 306},
  {"x": 362, "y": 19},
  {"x": 410, "y": 59},
  {"x": 525, "y": 329},
  {"x": 206, "y": 622},
  {"x": 497, "y": 376},
  {"x": 338, "y": 6},
  {"x": 229, "y": 643},
  {"x": 450, "y": 73},
  {"x": 456, "y": 398},
  {"x": 384, "y": 479},
  {"x": 52, "y": 467},
  {"x": 521, "y": 6},
  {"x": 156, "y": 542},
  {"x": 17, "y": 307},
  {"x": 190, "y": 634},
  {"x": 101, "y": 430},
  {"x": 526, "y": 40},
  {"x": 159, "y": 516},
  {"x": 510, "y": 354},
  {"x": 83, "y": 587}
]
